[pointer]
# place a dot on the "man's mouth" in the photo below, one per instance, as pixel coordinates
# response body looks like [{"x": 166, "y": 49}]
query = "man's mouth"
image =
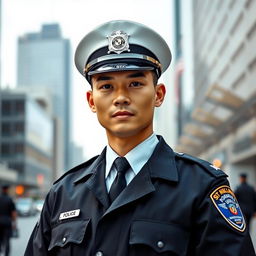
[{"x": 122, "y": 114}]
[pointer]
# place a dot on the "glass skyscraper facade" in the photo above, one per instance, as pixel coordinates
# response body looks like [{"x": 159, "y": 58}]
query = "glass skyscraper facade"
[{"x": 44, "y": 61}]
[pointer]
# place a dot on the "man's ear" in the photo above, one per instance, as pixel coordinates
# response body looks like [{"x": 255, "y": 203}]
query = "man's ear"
[
  {"x": 89, "y": 96},
  {"x": 160, "y": 94}
]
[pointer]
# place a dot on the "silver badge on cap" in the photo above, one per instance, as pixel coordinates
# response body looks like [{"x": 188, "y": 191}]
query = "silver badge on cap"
[{"x": 118, "y": 42}]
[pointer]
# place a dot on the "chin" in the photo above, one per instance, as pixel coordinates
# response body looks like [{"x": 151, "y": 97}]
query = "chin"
[{"x": 126, "y": 133}]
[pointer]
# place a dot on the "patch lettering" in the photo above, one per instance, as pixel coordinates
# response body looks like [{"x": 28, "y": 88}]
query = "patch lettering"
[{"x": 226, "y": 203}]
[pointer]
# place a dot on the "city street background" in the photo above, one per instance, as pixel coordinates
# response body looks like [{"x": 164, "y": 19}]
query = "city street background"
[{"x": 46, "y": 127}]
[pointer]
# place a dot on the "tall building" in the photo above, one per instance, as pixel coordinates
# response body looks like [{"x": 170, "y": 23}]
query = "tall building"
[
  {"x": 23, "y": 145},
  {"x": 44, "y": 98},
  {"x": 44, "y": 61},
  {"x": 164, "y": 118},
  {"x": 183, "y": 87},
  {"x": 183, "y": 66},
  {"x": 222, "y": 125}
]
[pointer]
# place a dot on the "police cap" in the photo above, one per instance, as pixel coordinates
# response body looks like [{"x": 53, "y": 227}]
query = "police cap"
[{"x": 122, "y": 45}]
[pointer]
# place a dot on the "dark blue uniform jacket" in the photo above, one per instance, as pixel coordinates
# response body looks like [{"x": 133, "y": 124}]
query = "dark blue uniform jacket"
[{"x": 165, "y": 210}]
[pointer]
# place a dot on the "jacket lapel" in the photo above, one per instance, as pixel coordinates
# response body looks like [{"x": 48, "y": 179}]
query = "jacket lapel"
[
  {"x": 161, "y": 165},
  {"x": 96, "y": 183},
  {"x": 139, "y": 187},
  {"x": 94, "y": 179}
]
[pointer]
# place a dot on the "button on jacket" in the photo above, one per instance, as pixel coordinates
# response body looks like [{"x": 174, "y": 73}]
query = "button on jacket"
[{"x": 165, "y": 210}]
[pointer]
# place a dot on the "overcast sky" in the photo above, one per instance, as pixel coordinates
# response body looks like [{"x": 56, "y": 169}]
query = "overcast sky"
[{"x": 76, "y": 18}]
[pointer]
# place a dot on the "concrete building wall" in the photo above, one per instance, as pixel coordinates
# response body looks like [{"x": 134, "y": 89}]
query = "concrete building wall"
[{"x": 222, "y": 123}]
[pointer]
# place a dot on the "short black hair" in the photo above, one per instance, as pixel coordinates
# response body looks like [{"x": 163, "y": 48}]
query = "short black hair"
[{"x": 155, "y": 78}]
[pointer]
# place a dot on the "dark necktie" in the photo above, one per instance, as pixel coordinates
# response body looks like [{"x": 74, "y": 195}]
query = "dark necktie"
[{"x": 119, "y": 183}]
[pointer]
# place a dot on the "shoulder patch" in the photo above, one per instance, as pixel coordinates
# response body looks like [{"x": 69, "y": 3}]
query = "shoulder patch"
[
  {"x": 76, "y": 168},
  {"x": 217, "y": 172},
  {"x": 226, "y": 203}
]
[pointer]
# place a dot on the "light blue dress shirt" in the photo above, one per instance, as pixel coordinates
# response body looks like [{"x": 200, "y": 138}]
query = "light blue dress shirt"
[{"x": 137, "y": 158}]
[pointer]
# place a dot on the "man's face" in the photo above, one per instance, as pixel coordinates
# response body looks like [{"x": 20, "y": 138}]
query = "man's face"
[{"x": 125, "y": 102}]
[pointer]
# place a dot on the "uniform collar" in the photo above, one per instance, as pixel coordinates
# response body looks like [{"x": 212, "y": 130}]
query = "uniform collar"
[
  {"x": 161, "y": 164},
  {"x": 92, "y": 168},
  {"x": 137, "y": 157}
]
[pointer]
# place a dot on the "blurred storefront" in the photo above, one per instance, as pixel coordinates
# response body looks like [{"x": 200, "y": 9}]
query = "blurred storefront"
[{"x": 221, "y": 126}]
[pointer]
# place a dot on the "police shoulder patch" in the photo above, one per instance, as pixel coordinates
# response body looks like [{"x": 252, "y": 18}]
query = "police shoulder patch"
[{"x": 226, "y": 203}]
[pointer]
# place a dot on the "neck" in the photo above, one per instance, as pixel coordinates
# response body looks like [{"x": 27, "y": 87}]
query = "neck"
[{"x": 122, "y": 145}]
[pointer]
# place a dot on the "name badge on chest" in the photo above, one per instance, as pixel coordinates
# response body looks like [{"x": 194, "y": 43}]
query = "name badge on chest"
[{"x": 70, "y": 214}]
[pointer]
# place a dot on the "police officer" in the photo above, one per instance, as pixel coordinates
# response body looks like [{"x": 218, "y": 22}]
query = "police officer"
[
  {"x": 246, "y": 197},
  {"x": 138, "y": 197},
  {"x": 7, "y": 220}
]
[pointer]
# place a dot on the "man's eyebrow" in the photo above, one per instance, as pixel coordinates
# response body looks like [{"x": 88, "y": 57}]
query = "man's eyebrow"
[
  {"x": 107, "y": 78},
  {"x": 104, "y": 78},
  {"x": 137, "y": 74}
]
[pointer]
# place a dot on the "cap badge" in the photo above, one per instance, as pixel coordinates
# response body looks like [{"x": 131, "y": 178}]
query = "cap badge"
[{"x": 118, "y": 42}]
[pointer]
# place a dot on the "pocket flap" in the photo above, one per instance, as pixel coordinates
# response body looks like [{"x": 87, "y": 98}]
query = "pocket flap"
[
  {"x": 68, "y": 232},
  {"x": 162, "y": 237}
]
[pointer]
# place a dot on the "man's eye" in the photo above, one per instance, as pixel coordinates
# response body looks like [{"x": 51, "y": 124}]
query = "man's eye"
[
  {"x": 106, "y": 86},
  {"x": 135, "y": 84}
]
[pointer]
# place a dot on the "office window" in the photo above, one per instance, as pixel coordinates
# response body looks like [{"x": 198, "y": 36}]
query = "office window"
[
  {"x": 19, "y": 128},
  {"x": 6, "y": 107},
  {"x": 5, "y": 149},
  {"x": 17, "y": 166},
  {"x": 18, "y": 148},
  {"x": 6, "y": 129},
  {"x": 19, "y": 107}
]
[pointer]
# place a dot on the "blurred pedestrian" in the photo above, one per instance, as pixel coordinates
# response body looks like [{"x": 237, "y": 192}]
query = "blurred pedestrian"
[
  {"x": 246, "y": 197},
  {"x": 7, "y": 220},
  {"x": 138, "y": 197}
]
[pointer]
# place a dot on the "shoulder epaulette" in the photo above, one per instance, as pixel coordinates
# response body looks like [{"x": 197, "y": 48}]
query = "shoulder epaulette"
[
  {"x": 210, "y": 168},
  {"x": 76, "y": 168}
]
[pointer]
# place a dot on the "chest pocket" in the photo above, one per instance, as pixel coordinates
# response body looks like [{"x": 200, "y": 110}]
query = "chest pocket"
[
  {"x": 156, "y": 238},
  {"x": 68, "y": 232}
]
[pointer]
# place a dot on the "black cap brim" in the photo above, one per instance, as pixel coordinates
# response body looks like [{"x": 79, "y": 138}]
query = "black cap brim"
[{"x": 116, "y": 67}]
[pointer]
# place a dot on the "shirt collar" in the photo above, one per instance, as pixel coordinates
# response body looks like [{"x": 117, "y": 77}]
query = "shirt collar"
[
  {"x": 163, "y": 159},
  {"x": 137, "y": 157}
]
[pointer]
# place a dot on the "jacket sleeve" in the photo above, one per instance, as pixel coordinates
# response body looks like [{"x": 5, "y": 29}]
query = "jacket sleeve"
[
  {"x": 41, "y": 235},
  {"x": 213, "y": 231}
]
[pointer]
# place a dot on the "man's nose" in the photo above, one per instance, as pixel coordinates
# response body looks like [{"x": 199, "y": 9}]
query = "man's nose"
[{"x": 122, "y": 98}]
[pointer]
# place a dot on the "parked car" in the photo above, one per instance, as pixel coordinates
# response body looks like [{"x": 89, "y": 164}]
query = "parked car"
[
  {"x": 39, "y": 205},
  {"x": 25, "y": 206}
]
